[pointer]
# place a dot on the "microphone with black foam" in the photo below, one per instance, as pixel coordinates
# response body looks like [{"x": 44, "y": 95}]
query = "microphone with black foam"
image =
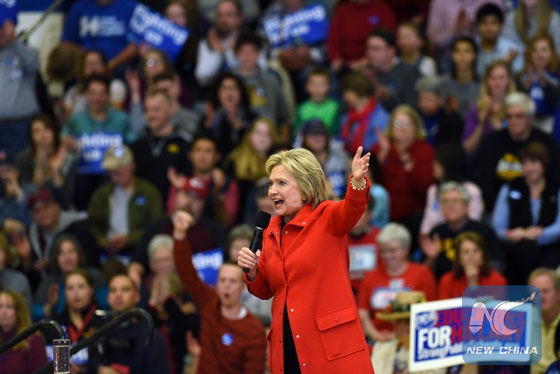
[{"x": 263, "y": 218}]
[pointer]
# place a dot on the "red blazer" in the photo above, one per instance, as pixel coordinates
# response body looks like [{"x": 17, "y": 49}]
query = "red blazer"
[
  {"x": 304, "y": 265},
  {"x": 407, "y": 189}
]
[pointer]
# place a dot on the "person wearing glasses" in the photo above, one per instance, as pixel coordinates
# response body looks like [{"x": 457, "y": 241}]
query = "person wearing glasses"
[{"x": 497, "y": 160}]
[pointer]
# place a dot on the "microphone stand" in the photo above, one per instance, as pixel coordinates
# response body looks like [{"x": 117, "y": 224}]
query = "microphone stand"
[
  {"x": 107, "y": 328},
  {"x": 61, "y": 352}
]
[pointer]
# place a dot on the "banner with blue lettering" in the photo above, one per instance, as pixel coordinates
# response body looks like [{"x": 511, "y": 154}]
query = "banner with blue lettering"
[
  {"x": 303, "y": 27},
  {"x": 435, "y": 335},
  {"x": 92, "y": 150},
  {"x": 208, "y": 264},
  {"x": 149, "y": 27}
]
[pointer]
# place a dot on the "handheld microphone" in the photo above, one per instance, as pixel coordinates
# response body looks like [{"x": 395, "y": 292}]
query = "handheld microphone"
[{"x": 263, "y": 218}]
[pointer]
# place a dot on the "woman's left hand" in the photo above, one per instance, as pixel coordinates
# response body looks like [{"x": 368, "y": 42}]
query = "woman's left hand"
[{"x": 360, "y": 165}]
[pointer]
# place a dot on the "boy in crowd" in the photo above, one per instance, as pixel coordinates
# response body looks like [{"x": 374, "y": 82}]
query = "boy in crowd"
[
  {"x": 319, "y": 105},
  {"x": 263, "y": 87},
  {"x": 492, "y": 46}
]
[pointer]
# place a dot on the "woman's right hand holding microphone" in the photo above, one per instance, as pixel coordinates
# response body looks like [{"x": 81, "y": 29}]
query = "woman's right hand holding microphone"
[{"x": 249, "y": 260}]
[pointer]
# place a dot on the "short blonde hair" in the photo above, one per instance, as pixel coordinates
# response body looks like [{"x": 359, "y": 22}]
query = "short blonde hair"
[
  {"x": 158, "y": 243},
  {"x": 419, "y": 132},
  {"x": 306, "y": 170},
  {"x": 394, "y": 232}
]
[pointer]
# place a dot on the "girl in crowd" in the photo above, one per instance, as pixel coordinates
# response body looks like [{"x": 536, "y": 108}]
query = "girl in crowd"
[
  {"x": 29, "y": 355},
  {"x": 541, "y": 79},
  {"x": 92, "y": 62},
  {"x": 246, "y": 163},
  {"x": 471, "y": 268},
  {"x": 488, "y": 113},
  {"x": 530, "y": 18},
  {"x": 462, "y": 86},
  {"x": 229, "y": 112},
  {"x": 410, "y": 44},
  {"x": 78, "y": 315},
  {"x": 66, "y": 256},
  {"x": 450, "y": 164},
  {"x": 406, "y": 162},
  {"x": 46, "y": 162},
  {"x": 329, "y": 153}
]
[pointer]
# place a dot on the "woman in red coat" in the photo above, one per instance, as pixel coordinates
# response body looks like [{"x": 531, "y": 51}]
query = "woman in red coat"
[
  {"x": 406, "y": 161},
  {"x": 470, "y": 269},
  {"x": 304, "y": 265}
]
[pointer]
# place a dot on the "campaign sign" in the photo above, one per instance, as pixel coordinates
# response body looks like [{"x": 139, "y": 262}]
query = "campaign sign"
[
  {"x": 149, "y": 27},
  {"x": 308, "y": 25},
  {"x": 501, "y": 325},
  {"x": 363, "y": 258},
  {"x": 207, "y": 264},
  {"x": 92, "y": 150},
  {"x": 435, "y": 335}
]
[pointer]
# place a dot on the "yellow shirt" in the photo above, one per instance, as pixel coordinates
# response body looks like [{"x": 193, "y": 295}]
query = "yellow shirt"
[{"x": 547, "y": 349}]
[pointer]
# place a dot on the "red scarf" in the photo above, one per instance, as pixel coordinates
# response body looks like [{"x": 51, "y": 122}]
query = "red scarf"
[
  {"x": 73, "y": 333},
  {"x": 353, "y": 135}
]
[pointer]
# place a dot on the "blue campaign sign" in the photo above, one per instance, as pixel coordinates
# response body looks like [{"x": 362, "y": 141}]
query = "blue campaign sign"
[
  {"x": 93, "y": 148},
  {"x": 308, "y": 25},
  {"x": 149, "y": 27},
  {"x": 435, "y": 335},
  {"x": 208, "y": 264}
]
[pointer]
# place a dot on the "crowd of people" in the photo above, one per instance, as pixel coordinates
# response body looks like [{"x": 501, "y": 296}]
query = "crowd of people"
[{"x": 138, "y": 184}]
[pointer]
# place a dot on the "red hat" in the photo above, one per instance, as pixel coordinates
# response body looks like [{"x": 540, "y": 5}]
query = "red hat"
[
  {"x": 43, "y": 195},
  {"x": 195, "y": 184}
]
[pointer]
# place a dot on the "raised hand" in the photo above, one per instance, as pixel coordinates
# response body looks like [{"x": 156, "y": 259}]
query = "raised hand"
[{"x": 360, "y": 165}]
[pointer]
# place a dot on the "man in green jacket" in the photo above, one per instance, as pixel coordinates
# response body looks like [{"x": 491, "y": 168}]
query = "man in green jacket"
[{"x": 120, "y": 211}]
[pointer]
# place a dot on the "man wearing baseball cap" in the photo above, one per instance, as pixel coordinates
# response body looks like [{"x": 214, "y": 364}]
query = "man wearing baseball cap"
[
  {"x": 120, "y": 210},
  {"x": 18, "y": 71}
]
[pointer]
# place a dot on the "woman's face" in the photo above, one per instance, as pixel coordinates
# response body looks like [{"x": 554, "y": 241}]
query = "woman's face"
[
  {"x": 8, "y": 315},
  {"x": 153, "y": 64},
  {"x": 403, "y": 130},
  {"x": 93, "y": 63},
  {"x": 463, "y": 55},
  {"x": 316, "y": 142},
  {"x": 229, "y": 94},
  {"x": 470, "y": 254},
  {"x": 260, "y": 138},
  {"x": 79, "y": 294},
  {"x": 176, "y": 14},
  {"x": 498, "y": 81},
  {"x": 68, "y": 258},
  {"x": 284, "y": 192},
  {"x": 392, "y": 254},
  {"x": 42, "y": 136},
  {"x": 533, "y": 170},
  {"x": 541, "y": 54},
  {"x": 162, "y": 262}
]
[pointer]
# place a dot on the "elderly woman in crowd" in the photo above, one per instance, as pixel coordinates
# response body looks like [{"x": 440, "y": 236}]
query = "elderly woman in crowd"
[
  {"x": 395, "y": 274},
  {"x": 304, "y": 265},
  {"x": 471, "y": 268},
  {"x": 173, "y": 311},
  {"x": 526, "y": 215},
  {"x": 29, "y": 355}
]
